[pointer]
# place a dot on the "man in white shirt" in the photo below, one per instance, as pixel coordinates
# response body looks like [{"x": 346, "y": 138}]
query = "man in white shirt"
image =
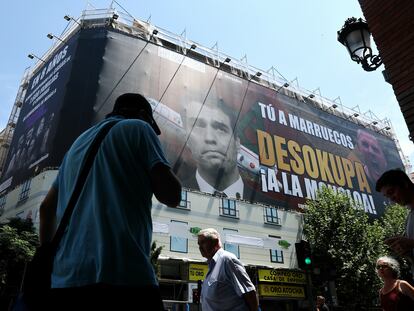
[
  {"x": 227, "y": 286},
  {"x": 214, "y": 146}
]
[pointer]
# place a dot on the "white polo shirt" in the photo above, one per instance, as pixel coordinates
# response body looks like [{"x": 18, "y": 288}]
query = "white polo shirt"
[{"x": 225, "y": 283}]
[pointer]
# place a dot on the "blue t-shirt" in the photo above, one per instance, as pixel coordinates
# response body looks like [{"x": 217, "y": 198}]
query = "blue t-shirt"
[{"x": 109, "y": 234}]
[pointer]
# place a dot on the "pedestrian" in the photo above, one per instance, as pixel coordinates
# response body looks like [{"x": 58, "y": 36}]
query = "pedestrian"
[
  {"x": 103, "y": 259},
  {"x": 395, "y": 294},
  {"x": 397, "y": 186},
  {"x": 320, "y": 304},
  {"x": 227, "y": 286}
]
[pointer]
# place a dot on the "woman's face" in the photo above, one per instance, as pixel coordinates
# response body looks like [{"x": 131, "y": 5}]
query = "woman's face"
[{"x": 383, "y": 270}]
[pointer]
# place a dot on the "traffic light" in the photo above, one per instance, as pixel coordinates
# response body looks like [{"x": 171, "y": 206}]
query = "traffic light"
[
  {"x": 196, "y": 296},
  {"x": 197, "y": 292},
  {"x": 304, "y": 255}
]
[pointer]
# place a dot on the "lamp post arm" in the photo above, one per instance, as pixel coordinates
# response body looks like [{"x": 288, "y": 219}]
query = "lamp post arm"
[{"x": 371, "y": 62}]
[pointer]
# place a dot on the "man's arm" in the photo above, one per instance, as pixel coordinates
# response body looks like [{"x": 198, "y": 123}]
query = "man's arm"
[
  {"x": 165, "y": 185},
  {"x": 251, "y": 300},
  {"x": 237, "y": 275},
  {"x": 47, "y": 213}
]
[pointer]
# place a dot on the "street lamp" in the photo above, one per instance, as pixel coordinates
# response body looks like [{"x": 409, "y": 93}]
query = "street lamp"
[
  {"x": 355, "y": 115},
  {"x": 51, "y": 36},
  {"x": 32, "y": 56},
  {"x": 387, "y": 128},
  {"x": 69, "y": 18},
  {"x": 356, "y": 37}
]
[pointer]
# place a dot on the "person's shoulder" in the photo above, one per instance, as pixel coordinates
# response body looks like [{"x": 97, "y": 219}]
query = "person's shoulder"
[
  {"x": 404, "y": 285},
  {"x": 222, "y": 255},
  {"x": 132, "y": 125},
  {"x": 230, "y": 257}
]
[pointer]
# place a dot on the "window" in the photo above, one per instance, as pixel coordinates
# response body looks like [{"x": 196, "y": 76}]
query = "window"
[
  {"x": 177, "y": 243},
  {"x": 232, "y": 248},
  {"x": 276, "y": 256},
  {"x": 184, "y": 203},
  {"x": 228, "y": 208},
  {"x": 271, "y": 216},
  {"x": 24, "y": 191}
]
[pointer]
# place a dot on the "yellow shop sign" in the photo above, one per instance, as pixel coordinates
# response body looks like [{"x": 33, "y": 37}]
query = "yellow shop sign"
[
  {"x": 282, "y": 276},
  {"x": 197, "y": 271},
  {"x": 281, "y": 291}
]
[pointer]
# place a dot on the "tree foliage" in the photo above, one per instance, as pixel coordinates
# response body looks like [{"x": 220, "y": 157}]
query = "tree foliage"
[
  {"x": 393, "y": 224},
  {"x": 343, "y": 238},
  {"x": 393, "y": 220},
  {"x": 18, "y": 241},
  {"x": 155, "y": 253}
]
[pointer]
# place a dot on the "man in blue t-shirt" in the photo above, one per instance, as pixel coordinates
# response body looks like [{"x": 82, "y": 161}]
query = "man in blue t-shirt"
[{"x": 103, "y": 257}]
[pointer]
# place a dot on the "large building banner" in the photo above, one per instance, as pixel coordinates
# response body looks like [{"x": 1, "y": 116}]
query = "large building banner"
[
  {"x": 30, "y": 148},
  {"x": 227, "y": 135},
  {"x": 222, "y": 132},
  {"x": 58, "y": 106}
]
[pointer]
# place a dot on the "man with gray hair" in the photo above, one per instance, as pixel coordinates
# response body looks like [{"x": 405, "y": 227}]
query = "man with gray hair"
[{"x": 227, "y": 286}]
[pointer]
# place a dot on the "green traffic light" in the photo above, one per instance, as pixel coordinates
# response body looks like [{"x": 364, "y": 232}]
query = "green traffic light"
[{"x": 308, "y": 261}]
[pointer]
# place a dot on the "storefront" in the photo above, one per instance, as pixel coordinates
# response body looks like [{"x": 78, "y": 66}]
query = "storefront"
[
  {"x": 281, "y": 289},
  {"x": 278, "y": 289}
]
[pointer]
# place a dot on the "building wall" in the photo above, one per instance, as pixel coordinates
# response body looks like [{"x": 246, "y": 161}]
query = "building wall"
[
  {"x": 24, "y": 200},
  {"x": 200, "y": 211},
  {"x": 391, "y": 23},
  {"x": 204, "y": 211}
]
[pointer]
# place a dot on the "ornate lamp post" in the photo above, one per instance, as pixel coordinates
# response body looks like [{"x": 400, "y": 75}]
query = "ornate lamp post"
[{"x": 356, "y": 37}]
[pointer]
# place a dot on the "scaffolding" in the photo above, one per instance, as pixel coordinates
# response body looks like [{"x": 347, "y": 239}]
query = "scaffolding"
[
  {"x": 8, "y": 132},
  {"x": 120, "y": 19}
]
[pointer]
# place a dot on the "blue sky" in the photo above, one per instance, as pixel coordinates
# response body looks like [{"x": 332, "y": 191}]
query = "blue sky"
[{"x": 297, "y": 37}]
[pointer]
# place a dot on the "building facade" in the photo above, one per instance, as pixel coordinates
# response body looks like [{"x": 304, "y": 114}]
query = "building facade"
[
  {"x": 263, "y": 237},
  {"x": 280, "y": 144},
  {"x": 391, "y": 25}
]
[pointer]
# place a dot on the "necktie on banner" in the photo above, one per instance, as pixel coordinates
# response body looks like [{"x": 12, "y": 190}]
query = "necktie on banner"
[{"x": 219, "y": 194}]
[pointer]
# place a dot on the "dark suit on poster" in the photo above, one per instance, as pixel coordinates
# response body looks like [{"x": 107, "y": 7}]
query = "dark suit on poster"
[{"x": 251, "y": 194}]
